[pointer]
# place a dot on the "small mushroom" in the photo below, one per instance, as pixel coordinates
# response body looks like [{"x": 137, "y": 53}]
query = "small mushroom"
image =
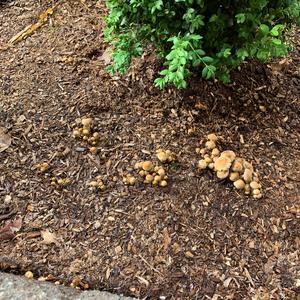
[
  {"x": 203, "y": 151},
  {"x": 230, "y": 154},
  {"x": 212, "y": 137},
  {"x": 247, "y": 176},
  {"x": 257, "y": 196},
  {"x": 211, "y": 165},
  {"x": 207, "y": 158},
  {"x": 222, "y": 174},
  {"x": 86, "y": 122},
  {"x": 215, "y": 152},
  {"x": 148, "y": 178},
  {"x": 161, "y": 172},
  {"x": 247, "y": 189},
  {"x": 223, "y": 163},
  {"x": 86, "y": 132},
  {"x": 147, "y": 165},
  {"x": 76, "y": 133},
  {"x": 255, "y": 185},
  {"x": 247, "y": 165},
  {"x": 202, "y": 164},
  {"x": 237, "y": 166},
  {"x": 163, "y": 183},
  {"x": 234, "y": 176},
  {"x": 239, "y": 184},
  {"x": 256, "y": 192},
  {"x": 94, "y": 150},
  {"x": 162, "y": 156},
  {"x": 210, "y": 145}
]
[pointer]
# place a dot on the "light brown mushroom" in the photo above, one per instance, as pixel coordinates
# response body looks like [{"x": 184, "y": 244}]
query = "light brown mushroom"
[
  {"x": 148, "y": 178},
  {"x": 147, "y": 165},
  {"x": 207, "y": 158},
  {"x": 256, "y": 192},
  {"x": 257, "y": 196},
  {"x": 163, "y": 183},
  {"x": 202, "y": 164},
  {"x": 247, "y": 175},
  {"x": 210, "y": 145},
  {"x": 212, "y": 137},
  {"x": 255, "y": 185},
  {"x": 239, "y": 184},
  {"x": 247, "y": 165},
  {"x": 215, "y": 152},
  {"x": 162, "y": 156},
  {"x": 222, "y": 174},
  {"x": 230, "y": 154},
  {"x": 234, "y": 176},
  {"x": 161, "y": 172},
  {"x": 86, "y": 122},
  {"x": 247, "y": 189},
  {"x": 211, "y": 165},
  {"x": 223, "y": 163}
]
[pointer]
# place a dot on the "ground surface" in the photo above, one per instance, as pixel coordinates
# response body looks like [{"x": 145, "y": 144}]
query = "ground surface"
[{"x": 198, "y": 238}]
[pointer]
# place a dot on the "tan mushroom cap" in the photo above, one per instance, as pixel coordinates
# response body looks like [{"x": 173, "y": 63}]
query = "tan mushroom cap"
[
  {"x": 230, "y": 154},
  {"x": 215, "y": 152},
  {"x": 147, "y": 165},
  {"x": 256, "y": 192},
  {"x": 237, "y": 166},
  {"x": 255, "y": 185},
  {"x": 208, "y": 159},
  {"x": 162, "y": 156},
  {"x": 234, "y": 176},
  {"x": 247, "y": 165},
  {"x": 202, "y": 164},
  {"x": 247, "y": 176},
  {"x": 257, "y": 196},
  {"x": 211, "y": 165},
  {"x": 223, "y": 163},
  {"x": 86, "y": 122},
  {"x": 247, "y": 189},
  {"x": 222, "y": 174},
  {"x": 239, "y": 184},
  {"x": 212, "y": 137},
  {"x": 210, "y": 145}
]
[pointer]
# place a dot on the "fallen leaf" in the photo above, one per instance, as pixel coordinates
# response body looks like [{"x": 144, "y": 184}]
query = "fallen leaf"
[
  {"x": 5, "y": 140},
  {"x": 48, "y": 237},
  {"x": 7, "y": 232}
]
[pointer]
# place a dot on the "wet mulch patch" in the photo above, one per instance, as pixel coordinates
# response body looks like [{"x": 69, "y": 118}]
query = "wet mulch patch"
[{"x": 198, "y": 238}]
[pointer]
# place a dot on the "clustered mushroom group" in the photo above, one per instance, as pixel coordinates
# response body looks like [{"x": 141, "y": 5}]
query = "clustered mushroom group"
[
  {"x": 227, "y": 165},
  {"x": 152, "y": 173},
  {"x": 84, "y": 130},
  {"x": 97, "y": 183},
  {"x": 165, "y": 156}
]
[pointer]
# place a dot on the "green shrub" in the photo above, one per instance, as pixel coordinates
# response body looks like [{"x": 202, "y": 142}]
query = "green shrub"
[{"x": 211, "y": 37}]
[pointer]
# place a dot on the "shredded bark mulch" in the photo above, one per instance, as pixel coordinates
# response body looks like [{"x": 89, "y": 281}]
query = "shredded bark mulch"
[{"x": 197, "y": 238}]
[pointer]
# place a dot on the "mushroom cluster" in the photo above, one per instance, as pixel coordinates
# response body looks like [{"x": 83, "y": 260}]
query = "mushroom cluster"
[
  {"x": 165, "y": 156},
  {"x": 129, "y": 179},
  {"x": 84, "y": 130},
  {"x": 151, "y": 173},
  {"x": 42, "y": 167},
  {"x": 60, "y": 181},
  {"x": 227, "y": 165},
  {"x": 97, "y": 183}
]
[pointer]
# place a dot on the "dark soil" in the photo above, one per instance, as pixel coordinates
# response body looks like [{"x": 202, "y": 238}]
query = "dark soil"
[{"x": 198, "y": 238}]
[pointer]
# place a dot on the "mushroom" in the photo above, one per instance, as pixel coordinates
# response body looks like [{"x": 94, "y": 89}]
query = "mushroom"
[
  {"x": 147, "y": 165},
  {"x": 223, "y": 163},
  {"x": 94, "y": 150},
  {"x": 230, "y": 154},
  {"x": 86, "y": 122},
  {"x": 234, "y": 176},
  {"x": 76, "y": 133},
  {"x": 161, "y": 172},
  {"x": 256, "y": 192},
  {"x": 222, "y": 174},
  {"x": 212, "y": 137},
  {"x": 237, "y": 165},
  {"x": 257, "y": 196},
  {"x": 203, "y": 151},
  {"x": 163, "y": 183},
  {"x": 207, "y": 158},
  {"x": 215, "y": 152},
  {"x": 247, "y": 165},
  {"x": 85, "y": 131},
  {"x": 148, "y": 178},
  {"x": 202, "y": 164},
  {"x": 255, "y": 185},
  {"x": 211, "y": 165},
  {"x": 239, "y": 184},
  {"x": 162, "y": 156},
  {"x": 247, "y": 176},
  {"x": 210, "y": 145},
  {"x": 247, "y": 189}
]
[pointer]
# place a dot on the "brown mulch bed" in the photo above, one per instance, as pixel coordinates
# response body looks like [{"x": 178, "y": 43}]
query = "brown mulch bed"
[{"x": 198, "y": 238}]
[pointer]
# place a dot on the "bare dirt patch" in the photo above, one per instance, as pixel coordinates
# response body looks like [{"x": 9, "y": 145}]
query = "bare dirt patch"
[{"x": 195, "y": 239}]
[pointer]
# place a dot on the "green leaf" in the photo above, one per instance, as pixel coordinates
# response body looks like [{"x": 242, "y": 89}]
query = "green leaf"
[
  {"x": 207, "y": 59},
  {"x": 276, "y": 42},
  {"x": 264, "y": 29},
  {"x": 240, "y": 18}
]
